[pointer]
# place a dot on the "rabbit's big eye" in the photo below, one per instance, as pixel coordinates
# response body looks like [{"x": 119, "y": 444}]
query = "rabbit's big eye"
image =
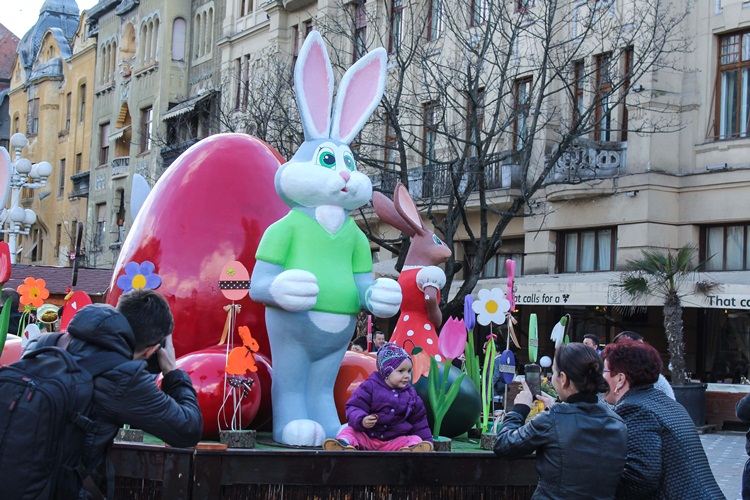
[
  {"x": 437, "y": 240},
  {"x": 327, "y": 159},
  {"x": 349, "y": 162}
]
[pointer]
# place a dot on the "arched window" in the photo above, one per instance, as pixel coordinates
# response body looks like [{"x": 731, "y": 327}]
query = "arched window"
[
  {"x": 179, "y": 29},
  {"x": 203, "y": 36}
]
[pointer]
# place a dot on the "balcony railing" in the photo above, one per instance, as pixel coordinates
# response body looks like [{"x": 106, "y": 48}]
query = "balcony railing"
[
  {"x": 81, "y": 182},
  {"x": 587, "y": 160},
  {"x": 120, "y": 166},
  {"x": 170, "y": 153},
  {"x": 434, "y": 181}
]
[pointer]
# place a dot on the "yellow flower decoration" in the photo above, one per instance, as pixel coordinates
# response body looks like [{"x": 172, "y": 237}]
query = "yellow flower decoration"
[{"x": 33, "y": 292}]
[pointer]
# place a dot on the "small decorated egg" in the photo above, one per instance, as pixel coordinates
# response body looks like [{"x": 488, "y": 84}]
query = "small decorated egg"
[
  {"x": 234, "y": 281},
  {"x": 507, "y": 366}
]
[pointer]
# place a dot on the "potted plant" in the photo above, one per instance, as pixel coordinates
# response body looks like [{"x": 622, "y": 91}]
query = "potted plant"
[{"x": 660, "y": 273}]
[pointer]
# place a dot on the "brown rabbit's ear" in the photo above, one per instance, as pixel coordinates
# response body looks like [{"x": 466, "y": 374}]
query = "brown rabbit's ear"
[
  {"x": 387, "y": 213},
  {"x": 407, "y": 209}
]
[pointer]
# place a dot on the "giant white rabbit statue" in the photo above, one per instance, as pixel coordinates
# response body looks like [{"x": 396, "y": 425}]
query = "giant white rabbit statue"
[{"x": 314, "y": 266}]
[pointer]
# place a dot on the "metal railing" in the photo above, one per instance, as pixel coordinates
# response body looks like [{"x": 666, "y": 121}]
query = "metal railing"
[
  {"x": 120, "y": 166},
  {"x": 587, "y": 159},
  {"x": 436, "y": 181}
]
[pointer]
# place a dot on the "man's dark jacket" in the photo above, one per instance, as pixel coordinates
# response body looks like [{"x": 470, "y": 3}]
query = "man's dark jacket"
[
  {"x": 128, "y": 394},
  {"x": 666, "y": 459}
]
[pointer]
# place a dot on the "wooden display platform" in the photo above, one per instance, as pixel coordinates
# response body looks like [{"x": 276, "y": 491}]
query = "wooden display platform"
[{"x": 147, "y": 471}]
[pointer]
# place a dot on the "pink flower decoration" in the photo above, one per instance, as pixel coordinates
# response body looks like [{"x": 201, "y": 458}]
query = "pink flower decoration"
[{"x": 452, "y": 339}]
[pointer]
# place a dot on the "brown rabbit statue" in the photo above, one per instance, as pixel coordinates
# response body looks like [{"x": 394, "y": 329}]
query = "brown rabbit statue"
[{"x": 420, "y": 279}]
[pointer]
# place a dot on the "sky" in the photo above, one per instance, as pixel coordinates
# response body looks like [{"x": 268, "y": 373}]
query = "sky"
[{"x": 20, "y": 15}]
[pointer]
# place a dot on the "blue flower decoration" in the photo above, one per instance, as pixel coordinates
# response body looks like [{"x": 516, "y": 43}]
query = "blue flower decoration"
[{"x": 139, "y": 276}]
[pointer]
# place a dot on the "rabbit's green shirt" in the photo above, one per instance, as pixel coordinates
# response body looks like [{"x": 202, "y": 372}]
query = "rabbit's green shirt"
[{"x": 298, "y": 242}]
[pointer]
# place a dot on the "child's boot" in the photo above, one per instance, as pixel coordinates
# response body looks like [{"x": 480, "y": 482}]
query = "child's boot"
[
  {"x": 421, "y": 447},
  {"x": 337, "y": 445}
]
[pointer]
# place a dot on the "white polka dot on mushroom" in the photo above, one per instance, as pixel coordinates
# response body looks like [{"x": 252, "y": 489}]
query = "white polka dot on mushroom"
[
  {"x": 409, "y": 333},
  {"x": 430, "y": 341},
  {"x": 406, "y": 317},
  {"x": 427, "y": 327},
  {"x": 438, "y": 357}
]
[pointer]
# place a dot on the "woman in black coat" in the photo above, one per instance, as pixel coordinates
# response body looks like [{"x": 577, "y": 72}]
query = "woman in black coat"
[
  {"x": 580, "y": 444},
  {"x": 665, "y": 455}
]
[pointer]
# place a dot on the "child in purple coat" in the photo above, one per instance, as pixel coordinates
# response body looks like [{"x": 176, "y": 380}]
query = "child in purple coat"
[{"x": 385, "y": 412}]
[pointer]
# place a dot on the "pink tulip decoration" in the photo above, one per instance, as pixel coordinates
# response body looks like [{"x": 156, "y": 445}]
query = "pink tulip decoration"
[
  {"x": 451, "y": 343},
  {"x": 510, "y": 266},
  {"x": 452, "y": 339}
]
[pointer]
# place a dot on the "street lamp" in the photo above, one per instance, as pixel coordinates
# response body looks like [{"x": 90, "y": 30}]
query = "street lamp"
[{"x": 21, "y": 174}]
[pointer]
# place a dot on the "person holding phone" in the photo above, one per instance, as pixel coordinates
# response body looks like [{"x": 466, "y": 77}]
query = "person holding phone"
[{"x": 580, "y": 444}]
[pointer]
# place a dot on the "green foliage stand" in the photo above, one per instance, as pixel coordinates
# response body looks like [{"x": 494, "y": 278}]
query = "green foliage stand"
[
  {"x": 238, "y": 439},
  {"x": 488, "y": 441},
  {"x": 130, "y": 435},
  {"x": 442, "y": 443}
]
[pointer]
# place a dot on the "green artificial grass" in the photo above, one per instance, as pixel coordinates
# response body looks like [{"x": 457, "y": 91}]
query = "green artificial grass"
[{"x": 264, "y": 441}]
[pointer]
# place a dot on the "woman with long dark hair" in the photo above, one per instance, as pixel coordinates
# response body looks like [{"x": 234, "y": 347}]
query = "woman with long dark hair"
[
  {"x": 580, "y": 444},
  {"x": 665, "y": 457}
]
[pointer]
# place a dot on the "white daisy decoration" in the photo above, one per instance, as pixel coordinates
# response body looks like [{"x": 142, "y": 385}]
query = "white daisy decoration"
[{"x": 491, "y": 306}]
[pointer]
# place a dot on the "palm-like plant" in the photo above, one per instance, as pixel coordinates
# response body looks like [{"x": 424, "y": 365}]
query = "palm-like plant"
[{"x": 660, "y": 273}]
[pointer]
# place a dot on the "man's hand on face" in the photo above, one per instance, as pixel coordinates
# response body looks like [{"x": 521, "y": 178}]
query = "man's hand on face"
[{"x": 165, "y": 356}]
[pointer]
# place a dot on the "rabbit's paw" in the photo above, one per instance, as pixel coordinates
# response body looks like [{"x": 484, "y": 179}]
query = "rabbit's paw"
[
  {"x": 383, "y": 298},
  {"x": 430, "y": 276},
  {"x": 295, "y": 290},
  {"x": 303, "y": 432}
]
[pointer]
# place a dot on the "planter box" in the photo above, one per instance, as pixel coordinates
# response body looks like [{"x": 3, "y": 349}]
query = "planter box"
[{"x": 155, "y": 471}]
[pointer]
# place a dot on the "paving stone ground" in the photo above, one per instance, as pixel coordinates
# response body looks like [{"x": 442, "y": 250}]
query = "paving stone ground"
[{"x": 726, "y": 454}]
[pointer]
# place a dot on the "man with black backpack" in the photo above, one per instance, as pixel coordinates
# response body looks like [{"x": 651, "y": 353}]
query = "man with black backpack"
[{"x": 63, "y": 452}]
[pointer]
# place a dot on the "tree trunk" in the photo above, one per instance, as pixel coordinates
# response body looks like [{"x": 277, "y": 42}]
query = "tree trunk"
[{"x": 673, "y": 329}]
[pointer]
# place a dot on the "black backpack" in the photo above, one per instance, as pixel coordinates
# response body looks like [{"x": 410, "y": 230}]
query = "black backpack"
[{"x": 45, "y": 402}]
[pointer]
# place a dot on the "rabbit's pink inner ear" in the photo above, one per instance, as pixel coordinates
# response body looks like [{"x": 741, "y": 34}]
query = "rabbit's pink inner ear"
[
  {"x": 361, "y": 90},
  {"x": 316, "y": 84},
  {"x": 408, "y": 210},
  {"x": 5, "y": 173}
]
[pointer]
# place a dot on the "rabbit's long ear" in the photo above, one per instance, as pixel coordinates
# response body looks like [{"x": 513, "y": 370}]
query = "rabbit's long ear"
[
  {"x": 359, "y": 94},
  {"x": 387, "y": 213},
  {"x": 407, "y": 209},
  {"x": 313, "y": 84}
]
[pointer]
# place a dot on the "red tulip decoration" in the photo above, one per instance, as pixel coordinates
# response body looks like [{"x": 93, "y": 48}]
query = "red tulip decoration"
[{"x": 451, "y": 343}]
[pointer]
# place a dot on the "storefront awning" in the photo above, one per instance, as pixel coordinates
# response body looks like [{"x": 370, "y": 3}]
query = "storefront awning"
[
  {"x": 600, "y": 289},
  {"x": 186, "y": 106}
]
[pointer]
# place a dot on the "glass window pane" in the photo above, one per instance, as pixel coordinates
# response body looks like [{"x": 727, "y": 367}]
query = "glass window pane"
[
  {"x": 728, "y": 117},
  {"x": 735, "y": 237},
  {"x": 715, "y": 249},
  {"x": 571, "y": 253},
  {"x": 490, "y": 269},
  {"x": 587, "y": 251},
  {"x": 745, "y": 101},
  {"x": 746, "y": 46},
  {"x": 605, "y": 250},
  {"x": 730, "y": 49}
]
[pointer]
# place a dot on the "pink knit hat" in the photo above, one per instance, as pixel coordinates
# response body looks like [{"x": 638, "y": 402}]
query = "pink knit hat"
[{"x": 390, "y": 357}]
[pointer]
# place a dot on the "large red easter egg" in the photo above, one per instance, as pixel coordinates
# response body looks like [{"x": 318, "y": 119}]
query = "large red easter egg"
[
  {"x": 12, "y": 350},
  {"x": 206, "y": 371},
  {"x": 355, "y": 368},
  {"x": 210, "y": 207}
]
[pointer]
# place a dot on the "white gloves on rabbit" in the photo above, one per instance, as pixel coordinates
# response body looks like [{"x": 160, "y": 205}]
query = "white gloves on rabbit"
[
  {"x": 295, "y": 290},
  {"x": 383, "y": 298},
  {"x": 430, "y": 276}
]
